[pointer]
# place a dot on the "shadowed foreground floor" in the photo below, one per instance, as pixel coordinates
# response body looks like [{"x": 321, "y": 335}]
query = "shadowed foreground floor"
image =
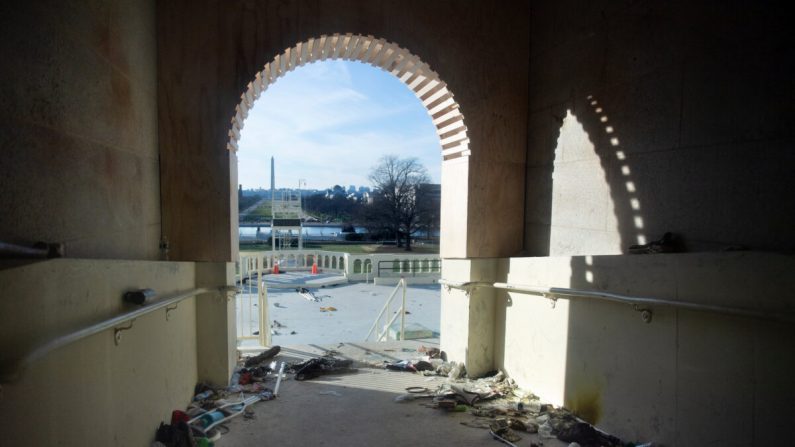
[{"x": 357, "y": 409}]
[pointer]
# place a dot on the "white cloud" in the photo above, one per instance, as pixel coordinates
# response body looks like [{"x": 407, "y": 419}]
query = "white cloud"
[{"x": 323, "y": 128}]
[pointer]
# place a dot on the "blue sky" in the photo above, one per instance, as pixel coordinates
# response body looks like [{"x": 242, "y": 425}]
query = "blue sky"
[{"x": 329, "y": 123}]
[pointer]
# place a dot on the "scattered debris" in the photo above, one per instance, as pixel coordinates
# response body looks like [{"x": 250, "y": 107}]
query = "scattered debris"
[
  {"x": 501, "y": 431},
  {"x": 410, "y": 366},
  {"x": 666, "y": 244},
  {"x": 569, "y": 428},
  {"x": 328, "y": 309},
  {"x": 433, "y": 353},
  {"x": 320, "y": 366},
  {"x": 306, "y": 293},
  {"x": 276, "y": 324},
  {"x": 497, "y": 404},
  {"x": 263, "y": 357}
]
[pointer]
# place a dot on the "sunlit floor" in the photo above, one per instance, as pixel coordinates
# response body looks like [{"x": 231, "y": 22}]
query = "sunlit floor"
[
  {"x": 358, "y": 409},
  {"x": 297, "y": 320}
]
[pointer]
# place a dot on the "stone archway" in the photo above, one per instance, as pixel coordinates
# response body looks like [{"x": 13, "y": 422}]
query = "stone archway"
[{"x": 417, "y": 75}]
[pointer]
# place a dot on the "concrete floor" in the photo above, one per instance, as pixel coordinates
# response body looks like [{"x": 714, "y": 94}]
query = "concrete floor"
[
  {"x": 357, "y": 409},
  {"x": 357, "y": 306}
]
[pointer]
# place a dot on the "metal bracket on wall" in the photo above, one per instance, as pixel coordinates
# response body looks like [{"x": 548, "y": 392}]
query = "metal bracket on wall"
[
  {"x": 467, "y": 287},
  {"x": 169, "y": 309},
  {"x": 227, "y": 293},
  {"x": 645, "y": 313},
  {"x": 117, "y": 332},
  {"x": 553, "y": 300}
]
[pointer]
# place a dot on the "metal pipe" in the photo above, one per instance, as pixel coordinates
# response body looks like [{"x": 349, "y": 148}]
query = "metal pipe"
[
  {"x": 278, "y": 380},
  {"x": 13, "y": 372},
  {"x": 403, "y": 311},
  {"x": 40, "y": 250}
]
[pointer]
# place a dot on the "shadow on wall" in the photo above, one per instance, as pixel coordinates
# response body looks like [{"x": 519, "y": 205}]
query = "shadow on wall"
[
  {"x": 671, "y": 121},
  {"x": 687, "y": 375}
]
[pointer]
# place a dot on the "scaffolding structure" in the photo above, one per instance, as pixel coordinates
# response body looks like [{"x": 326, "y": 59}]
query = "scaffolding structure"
[{"x": 287, "y": 221}]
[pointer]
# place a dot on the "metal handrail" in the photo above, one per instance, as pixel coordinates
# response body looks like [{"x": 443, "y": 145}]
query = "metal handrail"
[
  {"x": 401, "y": 283},
  {"x": 12, "y": 372},
  {"x": 638, "y": 303}
]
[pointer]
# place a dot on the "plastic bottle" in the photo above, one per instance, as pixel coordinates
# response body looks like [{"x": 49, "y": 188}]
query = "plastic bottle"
[
  {"x": 209, "y": 418},
  {"x": 545, "y": 430}
]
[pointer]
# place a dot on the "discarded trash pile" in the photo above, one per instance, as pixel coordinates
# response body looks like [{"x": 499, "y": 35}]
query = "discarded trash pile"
[
  {"x": 498, "y": 405},
  {"x": 203, "y": 421},
  {"x": 315, "y": 367}
]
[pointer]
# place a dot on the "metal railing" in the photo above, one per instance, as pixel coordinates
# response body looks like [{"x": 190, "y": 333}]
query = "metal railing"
[
  {"x": 382, "y": 333},
  {"x": 639, "y": 304},
  {"x": 12, "y": 371}
]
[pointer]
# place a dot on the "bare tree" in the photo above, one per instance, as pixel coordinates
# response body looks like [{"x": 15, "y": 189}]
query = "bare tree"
[{"x": 399, "y": 197}]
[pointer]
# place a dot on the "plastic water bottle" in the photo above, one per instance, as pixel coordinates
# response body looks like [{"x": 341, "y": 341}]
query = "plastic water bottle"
[
  {"x": 545, "y": 430},
  {"x": 209, "y": 418}
]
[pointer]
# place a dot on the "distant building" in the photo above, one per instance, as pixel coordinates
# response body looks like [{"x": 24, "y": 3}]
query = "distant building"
[{"x": 432, "y": 190}]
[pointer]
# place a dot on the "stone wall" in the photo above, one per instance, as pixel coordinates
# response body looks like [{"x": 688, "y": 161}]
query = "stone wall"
[
  {"x": 95, "y": 392},
  {"x": 208, "y": 52},
  {"x": 685, "y": 378},
  {"x": 79, "y": 140},
  {"x": 648, "y": 117}
]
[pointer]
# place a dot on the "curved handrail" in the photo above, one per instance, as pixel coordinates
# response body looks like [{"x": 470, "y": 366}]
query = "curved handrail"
[{"x": 14, "y": 370}]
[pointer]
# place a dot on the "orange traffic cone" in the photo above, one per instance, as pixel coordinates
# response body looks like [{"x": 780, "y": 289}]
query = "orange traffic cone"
[
  {"x": 275, "y": 268},
  {"x": 314, "y": 268}
]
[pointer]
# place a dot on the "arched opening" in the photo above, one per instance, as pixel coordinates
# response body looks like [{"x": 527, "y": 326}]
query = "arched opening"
[
  {"x": 417, "y": 75},
  {"x": 445, "y": 116}
]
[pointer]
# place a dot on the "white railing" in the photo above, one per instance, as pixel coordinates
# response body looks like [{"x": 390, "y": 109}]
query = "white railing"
[
  {"x": 392, "y": 265},
  {"x": 253, "y": 321},
  {"x": 356, "y": 267},
  {"x": 251, "y": 302},
  {"x": 382, "y": 332},
  {"x": 296, "y": 259}
]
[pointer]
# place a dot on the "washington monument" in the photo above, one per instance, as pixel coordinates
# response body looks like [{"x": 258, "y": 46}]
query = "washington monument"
[{"x": 273, "y": 178}]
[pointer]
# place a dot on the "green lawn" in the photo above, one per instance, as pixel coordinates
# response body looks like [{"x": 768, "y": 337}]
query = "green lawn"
[{"x": 260, "y": 213}]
